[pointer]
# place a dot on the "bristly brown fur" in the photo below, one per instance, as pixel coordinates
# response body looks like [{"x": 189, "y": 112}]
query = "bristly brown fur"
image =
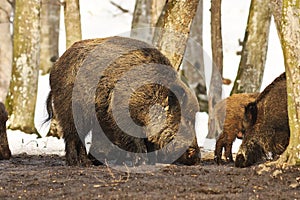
[
  {"x": 265, "y": 92},
  {"x": 232, "y": 107},
  {"x": 5, "y": 152},
  {"x": 266, "y": 125},
  {"x": 142, "y": 100}
]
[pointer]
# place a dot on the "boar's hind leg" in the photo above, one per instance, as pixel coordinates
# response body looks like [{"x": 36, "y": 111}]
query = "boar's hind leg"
[
  {"x": 219, "y": 148},
  {"x": 75, "y": 150},
  {"x": 84, "y": 160},
  {"x": 5, "y": 152}
]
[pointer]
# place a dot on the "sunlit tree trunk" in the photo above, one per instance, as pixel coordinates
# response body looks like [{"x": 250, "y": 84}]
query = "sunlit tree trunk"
[
  {"x": 5, "y": 48},
  {"x": 50, "y": 15},
  {"x": 255, "y": 45},
  {"x": 287, "y": 18},
  {"x": 173, "y": 29},
  {"x": 22, "y": 94},
  {"x": 145, "y": 16},
  {"x": 72, "y": 21}
]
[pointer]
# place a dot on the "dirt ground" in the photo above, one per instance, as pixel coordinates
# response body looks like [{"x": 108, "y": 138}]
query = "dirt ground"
[{"x": 47, "y": 177}]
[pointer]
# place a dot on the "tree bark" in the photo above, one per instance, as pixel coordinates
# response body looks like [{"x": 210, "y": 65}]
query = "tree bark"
[
  {"x": 172, "y": 29},
  {"x": 193, "y": 63},
  {"x": 287, "y": 11},
  {"x": 215, "y": 87},
  {"x": 145, "y": 16},
  {"x": 22, "y": 94},
  {"x": 255, "y": 45},
  {"x": 50, "y": 16},
  {"x": 72, "y": 22},
  {"x": 5, "y": 48},
  {"x": 216, "y": 35}
]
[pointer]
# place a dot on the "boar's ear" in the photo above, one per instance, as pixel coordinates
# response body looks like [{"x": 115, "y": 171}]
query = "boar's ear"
[{"x": 251, "y": 113}]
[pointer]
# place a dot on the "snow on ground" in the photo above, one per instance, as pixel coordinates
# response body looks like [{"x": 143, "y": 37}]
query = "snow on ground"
[
  {"x": 20, "y": 142},
  {"x": 101, "y": 19}
]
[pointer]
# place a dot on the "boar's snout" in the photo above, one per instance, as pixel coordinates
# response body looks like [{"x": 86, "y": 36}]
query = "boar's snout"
[
  {"x": 240, "y": 161},
  {"x": 248, "y": 154}
]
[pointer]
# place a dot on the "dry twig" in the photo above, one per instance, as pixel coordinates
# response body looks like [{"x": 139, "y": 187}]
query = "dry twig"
[
  {"x": 119, "y": 7},
  {"x": 114, "y": 181}
]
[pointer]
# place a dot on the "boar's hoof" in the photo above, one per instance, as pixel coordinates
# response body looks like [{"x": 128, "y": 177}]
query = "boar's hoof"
[
  {"x": 229, "y": 159},
  {"x": 217, "y": 160}
]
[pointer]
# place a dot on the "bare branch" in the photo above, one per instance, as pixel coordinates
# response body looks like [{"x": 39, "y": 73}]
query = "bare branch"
[
  {"x": 119, "y": 7},
  {"x": 12, "y": 3},
  {"x": 8, "y": 15}
]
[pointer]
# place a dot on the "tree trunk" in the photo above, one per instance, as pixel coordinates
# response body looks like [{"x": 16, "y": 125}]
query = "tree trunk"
[
  {"x": 193, "y": 63},
  {"x": 255, "y": 46},
  {"x": 288, "y": 27},
  {"x": 72, "y": 21},
  {"x": 50, "y": 16},
  {"x": 22, "y": 94},
  {"x": 145, "y": 17},
  {"x": 216, "y": 35},
  {"x": 172, "y": 29},
  {"x": 215, "y": 87},
  {"x": 5, "y": 48}
]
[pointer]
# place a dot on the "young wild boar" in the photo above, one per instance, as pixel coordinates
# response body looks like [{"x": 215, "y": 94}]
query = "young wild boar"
[
  {"x": 4, "y": 148},
  {"x": 127, "y": 94},
  {"x": 266, "y": 125},
  {"x": 227, "y": 121}
]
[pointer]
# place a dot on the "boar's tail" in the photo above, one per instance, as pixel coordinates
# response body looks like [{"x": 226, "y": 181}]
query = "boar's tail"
[{"x": 49, "y": 107}]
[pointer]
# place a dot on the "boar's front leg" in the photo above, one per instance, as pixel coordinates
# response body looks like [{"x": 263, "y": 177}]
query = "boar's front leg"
[{"x": 228, "y": 152}]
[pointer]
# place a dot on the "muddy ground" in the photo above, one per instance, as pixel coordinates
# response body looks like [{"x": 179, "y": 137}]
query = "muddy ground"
[{"x": 47, "y": 177}]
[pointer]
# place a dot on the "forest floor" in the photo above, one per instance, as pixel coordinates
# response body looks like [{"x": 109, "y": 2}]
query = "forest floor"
[{"x": 47, "y": 177}]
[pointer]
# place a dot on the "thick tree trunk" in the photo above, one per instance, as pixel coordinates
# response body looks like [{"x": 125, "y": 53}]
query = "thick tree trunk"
[
  {"x": 72, "y": 22},
  {"x": 5, "y": 48},
  {"x": 286, "y": 14},
  {"x": 255, "y": 45},
  {"x": 145, "y": 16},
  {"x": 173, "y": 29},
  {"x": 22, "y": 94},
  {"x": 50, "y": 16}
]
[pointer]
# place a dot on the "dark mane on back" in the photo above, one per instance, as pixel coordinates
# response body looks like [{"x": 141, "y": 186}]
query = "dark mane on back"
[{"x": 269, "y": 87}]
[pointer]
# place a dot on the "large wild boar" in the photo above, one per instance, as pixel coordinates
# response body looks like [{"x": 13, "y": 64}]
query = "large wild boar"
[
  {"x": 266, "y": 125},
  {"x": 5, "y": 152},
  {"x": 227, "y": 121},
  {"x": 127, "y": 94}
]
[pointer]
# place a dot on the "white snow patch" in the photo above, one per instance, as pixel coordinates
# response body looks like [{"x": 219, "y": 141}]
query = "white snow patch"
[{"x": 20, "y": 142}]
